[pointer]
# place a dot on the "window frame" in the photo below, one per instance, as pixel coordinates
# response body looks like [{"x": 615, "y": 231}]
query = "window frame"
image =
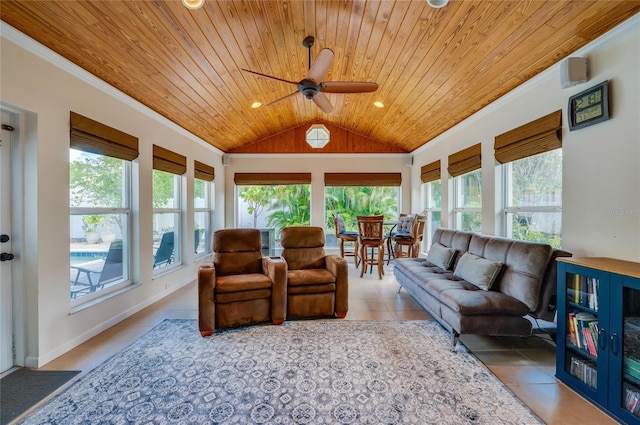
[
  {"x": 507, "y": 196},
  {"x": 208, "y": 210},
  {"x": 126, "y": 241},
  {"x": 460, "y": 210},
  {"x": 428, "y": 210},
  {"x": 178, "y": 224}
]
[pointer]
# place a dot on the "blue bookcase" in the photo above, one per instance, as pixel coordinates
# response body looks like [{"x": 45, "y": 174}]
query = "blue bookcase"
[{"x": 598, "y": 342}]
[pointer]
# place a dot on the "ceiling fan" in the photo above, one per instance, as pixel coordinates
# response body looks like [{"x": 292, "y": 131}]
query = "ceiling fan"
[{"x": 312, "y": 87}]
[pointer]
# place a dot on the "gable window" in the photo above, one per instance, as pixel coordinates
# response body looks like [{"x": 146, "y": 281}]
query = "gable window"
[
  {"x": 168, "y": 168},
  {"x": 531, "y": 157},
  {"x": 202, "y": 207},
  {"x": 464, "y": 167},
  {"x": 100, "y": 160},
  {"x": 431, "y": 199}
]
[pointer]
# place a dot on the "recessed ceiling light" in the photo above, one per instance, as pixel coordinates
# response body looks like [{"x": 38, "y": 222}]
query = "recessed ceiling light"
[
  {"x": 378, "y": 104},
  {"x": 255, "y": 105},
  {"x": 193, "y": 4}
]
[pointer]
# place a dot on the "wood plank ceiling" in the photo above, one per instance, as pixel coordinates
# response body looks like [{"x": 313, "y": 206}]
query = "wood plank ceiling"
[{"x": 434, "y": 67}]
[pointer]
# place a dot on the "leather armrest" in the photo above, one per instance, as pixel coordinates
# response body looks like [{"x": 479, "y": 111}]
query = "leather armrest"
[
  {"x": 276, "y": 269},
  {"x": 338, "y": 267},
  {"x": 206, "y": 304}
]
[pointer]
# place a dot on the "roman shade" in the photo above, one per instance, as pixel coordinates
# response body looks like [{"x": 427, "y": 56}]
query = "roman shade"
[
  {"x": 169, "y": 161},
  {"x": 203, "y": 171},
  {"x": 465, "y": 161},
  {"x": 91, "y": 136},
  {"x": 245, "y": 179},
  {"x": 362, "y": 179},
  {"x": 541, "y": 135},
  {"x": 430, "y": 172}
]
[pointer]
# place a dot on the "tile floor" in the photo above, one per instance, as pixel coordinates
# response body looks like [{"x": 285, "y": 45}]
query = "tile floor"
[{"x": 526, "y": 366}]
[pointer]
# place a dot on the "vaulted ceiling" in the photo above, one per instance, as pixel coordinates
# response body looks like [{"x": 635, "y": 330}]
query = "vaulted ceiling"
[{"x": 434, "y": 67}]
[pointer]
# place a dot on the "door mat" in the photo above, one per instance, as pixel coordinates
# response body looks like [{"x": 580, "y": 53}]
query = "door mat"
[{"x": 24, "y": 388}]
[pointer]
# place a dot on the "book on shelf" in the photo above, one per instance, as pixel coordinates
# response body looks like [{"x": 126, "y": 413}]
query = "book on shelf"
[
  {"x": 584, "y": 371},
  {"x": 632, "y": 367},
  {"x": 584, "y": 291},
  {"x": 632, "y": 400}
]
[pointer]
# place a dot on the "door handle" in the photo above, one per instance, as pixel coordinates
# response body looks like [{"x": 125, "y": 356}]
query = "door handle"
[
  {"x": 4, "y": 238},
  {"x": 5, "y": 256}
]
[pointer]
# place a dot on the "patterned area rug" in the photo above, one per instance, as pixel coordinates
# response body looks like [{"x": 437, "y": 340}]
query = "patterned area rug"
[{"x": 305, "y": 372}]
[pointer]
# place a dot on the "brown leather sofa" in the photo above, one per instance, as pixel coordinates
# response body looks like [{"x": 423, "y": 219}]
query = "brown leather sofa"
[
  {"x": 241, "y": 287},
  {"x": 317, "y": 283}
]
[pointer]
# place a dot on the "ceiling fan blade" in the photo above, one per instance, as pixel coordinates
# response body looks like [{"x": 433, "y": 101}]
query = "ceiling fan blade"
[
  {"x": 320, "y": 66},
  {"x": 269, "y": 76},
  {"x": 283, "y": 98},
  {"x": 323, "y": 103},
  {"x": 348, "y": 87}
]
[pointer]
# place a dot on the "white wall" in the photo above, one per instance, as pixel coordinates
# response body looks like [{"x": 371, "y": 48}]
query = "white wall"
[
  {"x": 601, "y": 163},
  {"x": 46, "y": 91}
]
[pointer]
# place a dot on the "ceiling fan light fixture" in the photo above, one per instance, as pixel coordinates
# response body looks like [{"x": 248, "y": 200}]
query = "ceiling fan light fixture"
[
  {"x": 437, "y": 4},
  {"x": 378, "y": 104},
  {"x": 193, "y": 4},
  {"x": 317, "y": 136}
]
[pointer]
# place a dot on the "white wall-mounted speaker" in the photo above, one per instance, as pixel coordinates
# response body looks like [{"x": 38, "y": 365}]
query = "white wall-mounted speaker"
[
  {"x": 226, "y": 160},
  {"x": 573, "y": 71},
  {"x": 408, "y": 160}
]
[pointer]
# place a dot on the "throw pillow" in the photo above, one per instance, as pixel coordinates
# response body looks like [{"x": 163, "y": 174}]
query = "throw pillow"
[
  {"x": 441, "y": 256},
  {"x": 477, "y": 270}
]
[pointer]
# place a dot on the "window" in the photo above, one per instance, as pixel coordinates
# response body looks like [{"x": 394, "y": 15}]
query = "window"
[
  {"x": 464, "y": 167},
  {"x": 202, "y": 215},
  {"x": 354, "y": 194},
  {"x": 431, "y": 199},
  {"x": 100, "y": 160},
  {"x": 468, "y": 201},
  {"x": 168, "y": 168},
  {"x": 531, "y": 158},
  {"x": 533, "y": 198},
  {"x": 166, "y": 219},
  {"x": 273, "y": 201},
  {"x": 202, "y": 207}
]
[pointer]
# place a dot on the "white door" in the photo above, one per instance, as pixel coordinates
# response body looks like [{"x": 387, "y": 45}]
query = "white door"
[{"x": 6, "y": 289}]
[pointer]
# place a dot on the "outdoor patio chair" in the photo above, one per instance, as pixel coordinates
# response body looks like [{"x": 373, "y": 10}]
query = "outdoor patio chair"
[
  {"x": 94, "y": 275},
  {"x": 164, "y": 253}
]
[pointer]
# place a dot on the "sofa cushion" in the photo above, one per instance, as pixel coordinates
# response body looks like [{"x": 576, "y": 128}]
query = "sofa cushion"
[
  {"x": 481, "y": 302},
  {"x": 524, "y": 262},
  {"x": 477, "y": 270},
  {"x": 441, "y": 256}
]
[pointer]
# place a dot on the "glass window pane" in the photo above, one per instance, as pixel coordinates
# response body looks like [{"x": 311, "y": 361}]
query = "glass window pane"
[
  {"x": 352, "y": 201},
  {"x": 96, "y": 181},
  {"x": 201, "y": 234},
  {"x": 202, "y": 215},
  {"x": 470, "y": 189},
  {"x": 536, "y": 226},
  {"x": 537, "y": 180},
  {"x": 166, "y": 239},
  {"x": 470, "y": 221},
  {"x": 435, "y": 194},
  {"x": 274, "y": 206},
  {"x": 166, "y": 190}
]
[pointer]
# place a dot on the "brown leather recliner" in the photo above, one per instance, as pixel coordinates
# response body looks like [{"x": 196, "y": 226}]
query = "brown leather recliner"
[
  {"x": 241, "y": 287},
  {"x": 317, "y": 284}
]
